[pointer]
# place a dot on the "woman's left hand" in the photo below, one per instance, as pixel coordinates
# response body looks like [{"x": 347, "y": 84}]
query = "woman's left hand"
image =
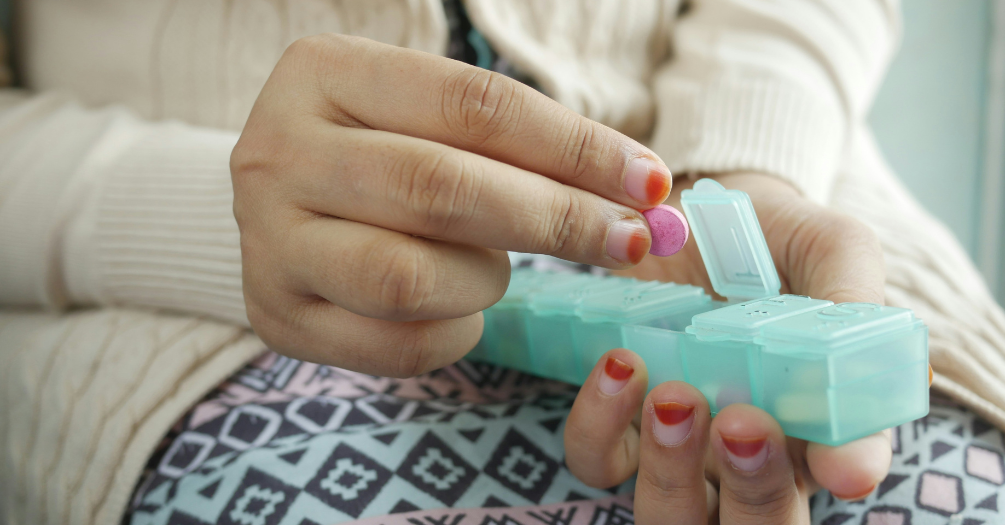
[{"x": 738, "y": 468}]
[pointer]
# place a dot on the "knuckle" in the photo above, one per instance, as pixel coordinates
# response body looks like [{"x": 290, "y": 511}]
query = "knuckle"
[
  {"x": 585, "y": 150},
  {"x": 260, "y": 321},
  {"x": 584, "y": 442},
  {"x": 318, "y": 67},
  {"x": 312, "y": 55},
  {"x": 280, "y": 331},
  {"x": 246, "y": 158},
  {"x": 593, "y": 461},
  {"x": 408, "y": 280},
  {"x": 443, "y": 190},
  {"x": 250, "y": 170},
  {"x": 848, "y": 224},
  {"x": 562, "y": 227},
  {"x": 319, "y": 47},
  {"x": 851, "y": 234},
  {"x": 273, "y": 310},
  {"x": 861, "y": 232},
  {"x": 479, "y": 105},
  {"x": 772, "y": 505},
  {"x": 668, "y": 490},
  {"x": 416, "y": 354},
  {"x": 313, "y": 45}
]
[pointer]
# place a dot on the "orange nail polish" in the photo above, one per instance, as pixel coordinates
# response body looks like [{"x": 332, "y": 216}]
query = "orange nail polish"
[
  {"x": 657, "y": 187},
  {"x": 647, "y": 181},
  {"x": 618, "y": 370},
  {"x": 671, "y": 413},
  {"x": 931, "y": 375},
  {"x": 628, "y": 241},
  {"x": 638, "y": 247}
]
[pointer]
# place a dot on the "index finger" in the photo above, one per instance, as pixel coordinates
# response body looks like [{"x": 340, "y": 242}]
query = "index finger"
[{"x": 429, "y": 97}]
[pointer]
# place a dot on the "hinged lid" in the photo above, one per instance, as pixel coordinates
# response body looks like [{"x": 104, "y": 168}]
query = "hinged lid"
[{"x": 730, "y": 240}]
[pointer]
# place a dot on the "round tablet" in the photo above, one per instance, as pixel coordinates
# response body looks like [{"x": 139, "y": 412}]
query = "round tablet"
[{"x": 669, "y": 229}]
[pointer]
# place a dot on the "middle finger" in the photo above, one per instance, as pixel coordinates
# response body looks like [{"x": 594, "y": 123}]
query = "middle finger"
[
  {"x": 673, "y": 438},
  {"x": 423, "y": 188},
  {"x": 757, "y": 482}
]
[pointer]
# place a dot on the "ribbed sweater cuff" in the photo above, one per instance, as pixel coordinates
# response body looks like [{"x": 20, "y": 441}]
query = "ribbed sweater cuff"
[
  {"x": 739, "y": 123},
  {"x": 159, "y": 230},
  {"x": 38, "y": 159}
]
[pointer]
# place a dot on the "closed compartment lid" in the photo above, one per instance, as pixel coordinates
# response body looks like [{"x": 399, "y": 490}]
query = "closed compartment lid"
[
  {"x": 745, "y": 321},
  {"x": 524, "y": 282},
  {"x": 640, "y": 301},
  {"x": 843, "y": 323},
  {"x": 565, "y": 298}
]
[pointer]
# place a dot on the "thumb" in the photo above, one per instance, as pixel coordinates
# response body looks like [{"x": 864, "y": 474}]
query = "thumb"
[{"x": 833, "y": 256}]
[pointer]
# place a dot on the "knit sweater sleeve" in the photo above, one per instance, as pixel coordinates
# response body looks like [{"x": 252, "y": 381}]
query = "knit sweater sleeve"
[
  {"x": 98, "y": 207},
  {"x": 775, "y": 87}
]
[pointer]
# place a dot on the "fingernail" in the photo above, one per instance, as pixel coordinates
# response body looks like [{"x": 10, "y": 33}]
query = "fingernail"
[
  {"x": 615, "y": 376},
  {"x": 672, "y": 423},
  {"x": 647, "y": 181},
  {"x": 628, "y": 241},
  {"x": 857, "y": 496},
  {"x": 931, "y": 375},
  {"x": 747, "y": 454}
]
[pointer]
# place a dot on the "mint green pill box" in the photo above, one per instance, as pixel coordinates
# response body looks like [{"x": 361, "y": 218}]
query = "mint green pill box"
[
  {"x": 829, "y": 373},
  {"x": 550, "y": 326}
]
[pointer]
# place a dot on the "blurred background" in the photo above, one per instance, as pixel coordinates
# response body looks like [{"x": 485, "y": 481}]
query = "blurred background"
[{"x": 940, "y": 120}]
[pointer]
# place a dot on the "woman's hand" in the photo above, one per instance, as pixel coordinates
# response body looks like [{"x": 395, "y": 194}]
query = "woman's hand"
[
  {"x": 376, "y": 189},
  {"x": 689, "y": 464}
]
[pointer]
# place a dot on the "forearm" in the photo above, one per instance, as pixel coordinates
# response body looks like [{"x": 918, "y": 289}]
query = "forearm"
[{"x": 122, "y": 211}]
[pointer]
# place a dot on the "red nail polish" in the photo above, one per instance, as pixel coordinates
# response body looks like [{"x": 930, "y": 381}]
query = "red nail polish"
[
  {"x": 618, "y": 370},
  {"x": 746, "y": 454},
  {"x": 615, "y": 376},
  {"x": 671, "y": 413},
  {"x": 638, "y": 247},
  {"x": 744, "y": 447},
  {"x": 673, "y": 423},
  {"x": 657, "y": 187}
]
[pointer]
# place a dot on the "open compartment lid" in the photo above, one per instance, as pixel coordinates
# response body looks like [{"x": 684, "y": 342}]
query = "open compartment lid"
[{"x": 730, "y": 240}]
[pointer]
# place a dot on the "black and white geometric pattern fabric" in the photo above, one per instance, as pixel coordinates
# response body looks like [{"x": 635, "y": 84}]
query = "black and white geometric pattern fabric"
[
  {"x": 331, "y": 460},
  {"x": 947, "y": 469}
]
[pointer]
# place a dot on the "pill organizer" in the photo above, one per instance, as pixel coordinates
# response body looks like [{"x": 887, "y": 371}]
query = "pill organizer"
[{"x": 829, "y": 373}]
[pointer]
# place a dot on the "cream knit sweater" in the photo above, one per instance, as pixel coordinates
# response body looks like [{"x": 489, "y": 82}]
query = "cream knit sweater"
[{"x": 115, "y": 191}]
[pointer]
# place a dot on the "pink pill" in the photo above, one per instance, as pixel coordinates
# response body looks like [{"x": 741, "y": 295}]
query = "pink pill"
[{"x": 669, "y": 229}]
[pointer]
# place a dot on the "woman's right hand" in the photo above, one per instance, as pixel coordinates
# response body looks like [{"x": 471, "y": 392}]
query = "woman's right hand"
[{"x": 376, "y": 189}]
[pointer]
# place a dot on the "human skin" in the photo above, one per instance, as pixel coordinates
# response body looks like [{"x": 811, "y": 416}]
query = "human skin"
[{"x": 377, "y": 190}]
